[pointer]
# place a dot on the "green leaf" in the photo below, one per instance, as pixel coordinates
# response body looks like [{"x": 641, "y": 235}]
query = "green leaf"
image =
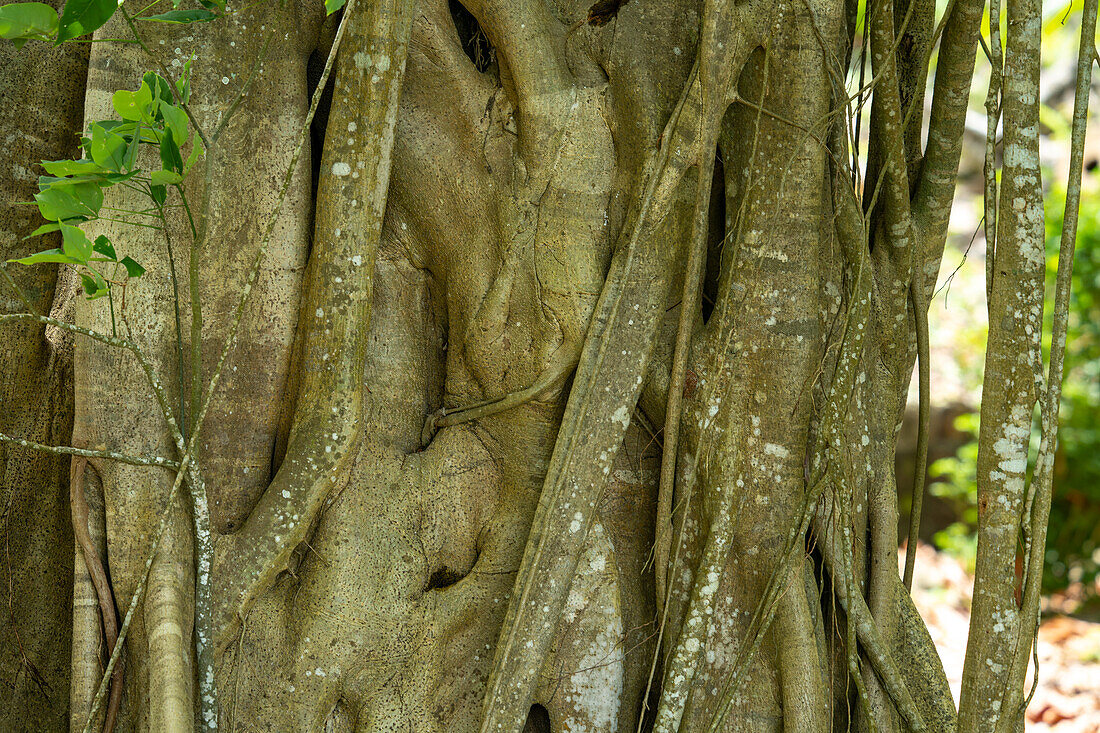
[
  {"x": 94, "y": 286},
  {"x": 107, "y": 149},
  {"x": 176, "y": 119},
  {"x": 197, "y": 15},
  {"x": 84, "y": 16},
  {"x": 53, "y": 226},
  {"x": 71, "y": 201},
  {"x": 49, "y": 255},
  {"x": 63, "y": 168},
  {"x": 133, "y": 105},
  {"x": 136, "y": 138},
  {"x": 170, "y": 153},
  {"x": 133, "y": 269},
  {"x": 104, "y": 247},
  {"x": 21, "y": 22},
  {"x": 159, "y": 86},
  {"x": 196, "y": 151},
  {"x": 331, "y": 6},
  {"x": 119, "y": 126},
  {"x": 160, "y": 178},
  {"x": 113, "y": 178},
  {"x": 75, "y": 243},
  {"x": 183, "y": 84},
  {"x": 159, "y": 194}
]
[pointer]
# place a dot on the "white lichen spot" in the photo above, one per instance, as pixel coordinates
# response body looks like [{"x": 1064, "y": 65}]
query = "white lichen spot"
[
  {"x": 575, "y": 525},
  {"x": 621, "y": 416},
  {"x": 774, "y": 449},
  {"x": 341, "y": 169}
]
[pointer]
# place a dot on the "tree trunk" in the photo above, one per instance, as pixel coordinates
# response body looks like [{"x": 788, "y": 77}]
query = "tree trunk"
[{"x": 556, "y": 384}]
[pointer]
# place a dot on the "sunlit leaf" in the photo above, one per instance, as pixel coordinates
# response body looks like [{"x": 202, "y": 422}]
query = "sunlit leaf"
[
  {"x": 133, "y": 105},
  {"x": 84, "y": 16},
  {"x": 107, "y": 149},
  {"x": 161, "y": 178},
  {"x": 49, "y": 255},
  {"x": 72, "y": 201},
  {"x": 75, "y": 243},
  {"x": 331, "y": 6},
  {"x": 53, "y": 226},
  {"x": 176, "y": 119},
  {"x": 21, "y": 22},
  {"x": 71, "y": 167}
]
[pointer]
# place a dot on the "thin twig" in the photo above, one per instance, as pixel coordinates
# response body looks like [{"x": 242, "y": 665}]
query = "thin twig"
[{"x": 110, "y": 455}]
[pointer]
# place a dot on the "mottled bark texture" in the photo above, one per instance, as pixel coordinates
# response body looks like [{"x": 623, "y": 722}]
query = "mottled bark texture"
[
  {"x": 41, "y": 102},
  {"x": 537, "y": 244}
]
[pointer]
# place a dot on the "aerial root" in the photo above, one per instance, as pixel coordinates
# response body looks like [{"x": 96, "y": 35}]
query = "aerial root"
[
  {"x": 108, "y": 610},
  {"x": 554, "y": 375},
  {"x": 867, "y": 632}
]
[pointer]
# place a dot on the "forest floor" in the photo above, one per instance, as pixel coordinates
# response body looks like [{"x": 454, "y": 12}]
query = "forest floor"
[{"x": 1068, "y": 697}]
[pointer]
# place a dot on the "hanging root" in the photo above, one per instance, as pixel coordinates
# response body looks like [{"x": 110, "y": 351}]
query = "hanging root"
[
  {"x": 108, "y": 610},
  {"x": 336, "y": 309},
  {"x": 838, "y": 562},
  {"x": 561, "y": 366},
  {"x": 920, "y": 467}
]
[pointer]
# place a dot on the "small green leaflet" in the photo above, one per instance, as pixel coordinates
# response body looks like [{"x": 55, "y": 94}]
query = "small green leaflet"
[
  {"x": 104, "y": 247},
  {"x": 94, "y": 286},
  {"x": 22, "y": 22},
  {"x": 133, "y": 106},
  {"x": 176, "y": 119},
  {"x": 107, "y": 149},
  {"x": 170, "y": 153},
  {"x": 61, "y": 202},
  {"x": 162, "y": 178},
  {"x": 75, "y": 243},
  {"x": 331, "y": 6},
  {"x": 196, "y": 151},
  {"x": 53, "y": 226},
  {"x": 62, "y": 168},
  {"x": 159, "y": 86},
  {"x": 84, "y": 16},
  {"x": 183, "y": 84},
  {"x": 49, "y": 255},
  {"x": 133, "y": 269}
]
